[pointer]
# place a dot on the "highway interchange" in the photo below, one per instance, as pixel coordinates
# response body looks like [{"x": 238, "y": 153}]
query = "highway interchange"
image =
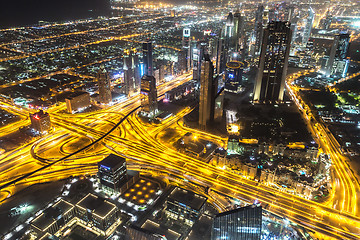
[
  {"x": 140, "y": 143},
  {"x": 136, "y": 141}
]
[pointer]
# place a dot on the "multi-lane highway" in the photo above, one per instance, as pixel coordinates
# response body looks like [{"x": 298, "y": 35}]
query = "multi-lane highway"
[{"x": 139, "y": 143}]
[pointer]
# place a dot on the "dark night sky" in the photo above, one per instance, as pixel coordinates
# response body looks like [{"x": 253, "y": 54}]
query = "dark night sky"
[{"x": 27, "y": 12}]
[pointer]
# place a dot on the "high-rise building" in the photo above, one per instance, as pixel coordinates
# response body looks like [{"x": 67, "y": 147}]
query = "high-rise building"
[
  {"x": 219, "y": 107},
  {"x": 258, "y": 29},
  {"x": 273, "y": 63},
  {"x": 111, "y": 172},
  {"x": 104, "y": 86},
  {"x": 198, "y": 54},
  {"x": 148, "y": 94},
  {"x": 238, "y": 31},
  {"x": 229, "y": 27},
  {"x": 220, "y": 55},
  {"x": 336, "y": 63},
  {"x": 343, "y": 46},
  {"x": 187, "y": 48},
  {"x": 308, "y": 26},
  {"x": 40, "y": 122},
  {"x": 327, "y": 67},
  {"x": 148, "y": 58},
  {"x": 130, "y": 69},
  {"x": 294, "y": 29},
  {"x": 233, "y": 77},
  {"x": 208, "y": 91},
  {"x": 289, "y": 13},
  {"x": 241, "y": 224}
]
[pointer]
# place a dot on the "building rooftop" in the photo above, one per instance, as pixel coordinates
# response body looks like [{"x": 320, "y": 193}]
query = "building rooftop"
[
  {"x": 238, "y": 210},
  {"x": 187, "y": 198},
  {"x": 160, "y": 229},
  {"x": 51, "y": 214},
  {"x": 48, "y": 236},
  {"x": 112, "y": 161},
  {"x": 96, "y": 205},
  {"x": 39, "y": 114},
  {"x": 76, "y": 94}
]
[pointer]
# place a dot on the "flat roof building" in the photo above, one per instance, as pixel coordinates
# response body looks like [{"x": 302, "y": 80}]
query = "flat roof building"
[
  {"x": 241, "y": 224},
  {"x": 185, "y": 205},
  {"x": 99, "y": 211},
  {"x": 136, "y": 233},
  {"x": 53, "y": 218},
  {"x": 40, "y": 121},
  {"x": 77, "y": 101},
  {"x": 113, "y": 175},
  {"x": 111, "y": 172}
]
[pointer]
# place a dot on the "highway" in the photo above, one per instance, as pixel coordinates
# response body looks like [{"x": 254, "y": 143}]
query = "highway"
[{"x": 140, "y": 144}]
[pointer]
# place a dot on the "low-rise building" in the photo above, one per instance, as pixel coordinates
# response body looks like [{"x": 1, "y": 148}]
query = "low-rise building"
[
  {"x": 53, "y": 218},
  {"x": 100, "y": 212},
  {"x": 40, "y": 122},
  {"x": 77, "y": 101},
  {"x": 185, "y": 205}
]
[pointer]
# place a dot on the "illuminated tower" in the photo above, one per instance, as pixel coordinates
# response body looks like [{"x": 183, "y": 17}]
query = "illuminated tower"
[
  {"x": 337, "y": 57},
  {"x": 308, "y": 26},
  {"x": 220, "y": 55},
  {"x": 208, "y": 90},
  {"x": 148, "y": 95},
  {"x": 238, "y": 30},
  {"x": 273, "y": 63},
  {"x": 148, "y": 58},
  {"x": 229, "y": 27},
  {"x": 186, "y": 47},
  {"x": 198, "y": 54},
  {"x": 258, "y": 29},
  {"x": 129, "y": 73},
  {"x": 104, "y": 86},
  {"x": 343, "y": 46}
]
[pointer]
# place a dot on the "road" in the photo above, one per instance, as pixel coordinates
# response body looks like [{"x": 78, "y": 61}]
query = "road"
[{"x": 137, "y": 141}]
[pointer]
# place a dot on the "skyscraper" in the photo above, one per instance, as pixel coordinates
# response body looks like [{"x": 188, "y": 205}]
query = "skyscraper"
[
  {"x": 229, "y": 26},
  {"x": 308, "y": 26},
  {"x": 336, "y": 63},
  {"x": 104, "y": 86},
  {"x": 219, "y": 107},
  {"x": 343, "y": 45},
  {"x": 148, "y": 58},
  {"x": 258, "y": 28},
  {"x": 186, "y": 47},
  {"x": 238, "y": 30},
  {"x": 148, "y": 96},
  {"x": 129, "y": 73},
  {"x": 220, "y": 55},
  {"x": 273, "y": 63},
  {"x": 198, "y": 54},
  {"x": 208, "y": 90},
  {"x": 239, "y": 224}
]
